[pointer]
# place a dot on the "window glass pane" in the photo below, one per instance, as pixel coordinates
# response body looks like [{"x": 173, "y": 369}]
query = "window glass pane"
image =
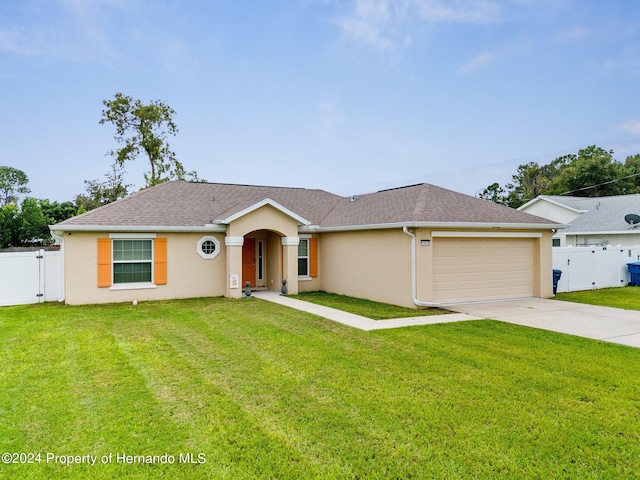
[
  {"x": 131, "y": 272},
  {"x": 128, "y": 250},
  {"x": 302, "y": 248},
  {"x": 303, "y": 267},
  {"x": 208, "y": 247}
]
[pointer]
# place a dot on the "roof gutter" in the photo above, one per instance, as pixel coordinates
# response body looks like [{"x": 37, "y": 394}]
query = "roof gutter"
[
  {"x": 222, "y": 228},
  {"x": 413, "y": 274},
  {"x": 474, "y": 225},
  {"x": 138, "y": 228},
  {"x": 603, "y": 232}
]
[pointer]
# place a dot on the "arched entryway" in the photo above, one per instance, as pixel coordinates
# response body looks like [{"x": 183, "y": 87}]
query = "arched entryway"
[{"x": 262, "y": 260}]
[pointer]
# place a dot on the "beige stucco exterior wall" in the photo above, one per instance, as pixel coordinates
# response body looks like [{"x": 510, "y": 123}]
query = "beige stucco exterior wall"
[
  {"x": 274, "y": 262},
  {"x": 544, "y": 278},
  {"x": 280, "y": 257},
  {"x": 264, "y": 218},
  {"x": 373, "y": 264},
  {"x": 189, "y": 275},
  {"x": 376, "y": 265}
]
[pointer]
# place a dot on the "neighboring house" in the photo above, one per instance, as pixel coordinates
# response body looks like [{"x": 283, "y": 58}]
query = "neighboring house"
[
  {"x": 597, "y": 221},
  {"x": 419, "y": 245}
]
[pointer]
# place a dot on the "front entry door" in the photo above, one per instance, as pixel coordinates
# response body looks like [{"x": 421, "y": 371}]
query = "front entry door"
[{"x": 249, "y": 262}]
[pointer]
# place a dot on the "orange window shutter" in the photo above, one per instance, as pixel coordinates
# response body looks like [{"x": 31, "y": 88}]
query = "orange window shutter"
[
  {"x": 160, "y": 261},
  {"x": 313, "y": 257},
  {"x": 104, "y": 262}
]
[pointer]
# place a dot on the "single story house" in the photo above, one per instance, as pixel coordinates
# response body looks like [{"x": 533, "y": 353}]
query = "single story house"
[
  {"x": 414, "y": 246},
  {"x": 591, "y": 221}
]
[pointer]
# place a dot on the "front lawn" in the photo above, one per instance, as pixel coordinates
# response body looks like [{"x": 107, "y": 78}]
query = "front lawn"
[
  {"x": 619, "y": 297},
  {"x": 365, "y": 308},
  {"x": 250, "y": 389}
]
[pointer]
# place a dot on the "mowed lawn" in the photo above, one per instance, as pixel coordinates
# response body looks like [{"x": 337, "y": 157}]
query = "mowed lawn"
[
  {"x": 619, "y": 297},
  {"x": 254, "y": 390},
  {"x": 366, "y": 308}
]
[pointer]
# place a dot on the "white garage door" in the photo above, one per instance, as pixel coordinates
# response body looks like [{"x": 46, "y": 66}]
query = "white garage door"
[{"x": 472, "y": 269}]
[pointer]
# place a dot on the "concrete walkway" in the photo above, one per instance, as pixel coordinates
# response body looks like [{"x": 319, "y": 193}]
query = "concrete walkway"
[
  {"x": 600, "y": 323},
  {"x": 357, "y": 321}
]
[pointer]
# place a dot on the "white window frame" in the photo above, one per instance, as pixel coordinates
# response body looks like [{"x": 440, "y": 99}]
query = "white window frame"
[
  {"x": 133, "y": 285},
  {"x": 208, "y": 256},
  {"x": 305, "y": 238}
]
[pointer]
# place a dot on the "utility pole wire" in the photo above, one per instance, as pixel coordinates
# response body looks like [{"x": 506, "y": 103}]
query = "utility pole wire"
[{"x": 600, "y": 184}]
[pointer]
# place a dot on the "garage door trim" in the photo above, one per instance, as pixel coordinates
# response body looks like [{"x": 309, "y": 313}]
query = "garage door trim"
[
  {"x": 471, "y": 268},
  {"x": 488, "y": 234}
]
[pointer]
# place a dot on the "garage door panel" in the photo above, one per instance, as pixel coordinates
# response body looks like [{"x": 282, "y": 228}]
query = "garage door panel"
[{"x": 471, "y": 269}]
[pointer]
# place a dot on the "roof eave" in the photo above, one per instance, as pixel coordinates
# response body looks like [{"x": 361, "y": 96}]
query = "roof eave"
[
  {"x": 267, "y": 201},
  {"x": 603, "y": 232},
  {"x": 553, "y": 202},
  {"x": 470, "y": 225},
  {"x": 139, "y": 228}
]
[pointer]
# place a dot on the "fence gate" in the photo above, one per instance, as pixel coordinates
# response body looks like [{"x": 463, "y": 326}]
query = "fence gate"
[{"x": 29, "y": 277}]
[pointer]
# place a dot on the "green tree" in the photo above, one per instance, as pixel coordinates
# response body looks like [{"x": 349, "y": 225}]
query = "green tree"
[
  {"x": 592, "y": 172},
  {"x": 494, "y": 193},
  {"x": 57, "y": 212},
  {"x": 632, "y": 169},
  {"x": 101, "y": 193},
  {"x": 9, "y": 225},
  {"x": 530, "y": 181},
  {"x": 13, "y": 182},
  {"x": 33, "y": 227},
  {"x": 144, "y": 129},
  {"x": 25, "y": 226}
]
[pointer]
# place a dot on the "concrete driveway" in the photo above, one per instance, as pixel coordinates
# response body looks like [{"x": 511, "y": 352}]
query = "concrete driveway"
[{"x": 601, "y": 323}]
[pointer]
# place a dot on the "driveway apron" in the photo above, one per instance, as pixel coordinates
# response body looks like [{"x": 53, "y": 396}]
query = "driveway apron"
[{"x": 600, "y": 323}]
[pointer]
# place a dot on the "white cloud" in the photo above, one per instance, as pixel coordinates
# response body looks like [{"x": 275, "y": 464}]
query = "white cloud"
[
  {"x": 330, "y": 119},
  {"x": 479, "y": 61},
  {"x": 465, "y": 11},
  {"x": 391, "y": 26},
  {"x": 376, "y": 23},
  {"x": 72, "y": 30},
  {"x": 574, "y": 34},
  {"x": 632, "y": 126}
]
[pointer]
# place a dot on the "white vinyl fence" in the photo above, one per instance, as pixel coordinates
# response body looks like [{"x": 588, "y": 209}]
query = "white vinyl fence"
[
  {"x": 29, "y": 277},
  {"x": 589, "y": 268}
]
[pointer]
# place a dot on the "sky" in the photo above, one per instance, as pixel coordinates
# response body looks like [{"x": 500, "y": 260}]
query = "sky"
[{"x": 348, "y": 96}]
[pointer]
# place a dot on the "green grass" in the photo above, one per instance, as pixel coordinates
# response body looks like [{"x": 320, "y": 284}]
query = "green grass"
[
  {"x": 622, "y": 297},
  {"x": 263, "y": 391},
  {"x": 365, "y": 308}
]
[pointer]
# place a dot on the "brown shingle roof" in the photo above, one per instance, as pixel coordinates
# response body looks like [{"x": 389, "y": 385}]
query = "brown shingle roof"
[
  {"x": 182, "y": 204},
  {"x": 192, "y": 204}
]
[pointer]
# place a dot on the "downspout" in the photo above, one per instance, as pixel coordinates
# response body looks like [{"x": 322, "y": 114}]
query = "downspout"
[
  {"x": 60, "y": 239},
  {"x": 413, "y": 273}
]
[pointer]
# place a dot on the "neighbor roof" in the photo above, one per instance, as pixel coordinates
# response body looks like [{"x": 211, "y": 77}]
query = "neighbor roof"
[
  {"x": 600, "y": 214},
  {"x": 196, "y": 205}
]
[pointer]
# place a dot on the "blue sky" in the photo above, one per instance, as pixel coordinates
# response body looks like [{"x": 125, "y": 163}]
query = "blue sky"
[{"x": 349, "y": 96}]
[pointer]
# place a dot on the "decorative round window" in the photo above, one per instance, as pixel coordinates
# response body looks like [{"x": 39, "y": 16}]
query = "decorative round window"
[{"x": 208, "y": 247}]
